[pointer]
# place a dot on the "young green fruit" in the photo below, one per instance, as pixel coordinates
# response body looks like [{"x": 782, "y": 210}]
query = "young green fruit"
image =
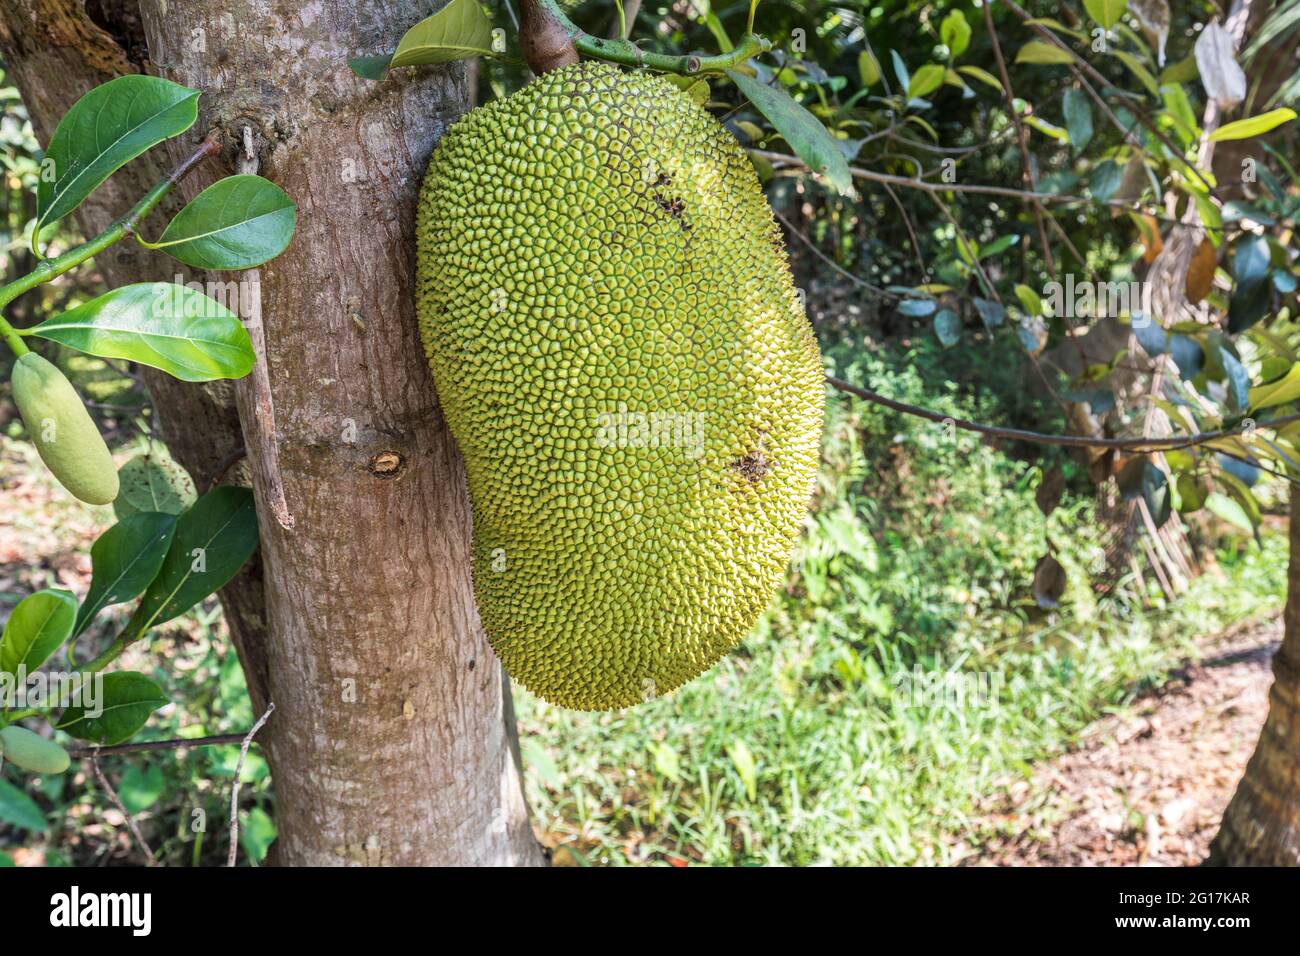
[
  {"x": 32, "y": 751},
  {"x": 622, "y": 356},
  {"x": 62, "y": 430}
]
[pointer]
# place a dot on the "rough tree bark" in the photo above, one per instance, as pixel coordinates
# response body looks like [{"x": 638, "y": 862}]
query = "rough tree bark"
[{"x": 391, "y": 739}]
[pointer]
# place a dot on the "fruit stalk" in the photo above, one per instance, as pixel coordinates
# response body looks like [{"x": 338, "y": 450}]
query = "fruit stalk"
[{"x": 550, "y": 40}]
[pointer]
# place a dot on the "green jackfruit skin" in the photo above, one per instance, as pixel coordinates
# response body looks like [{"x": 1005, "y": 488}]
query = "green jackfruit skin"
[
  {"x": 593, "y": 248},
  {"x": 62, "y": 430},
  {"x": 31, "y": 751}
]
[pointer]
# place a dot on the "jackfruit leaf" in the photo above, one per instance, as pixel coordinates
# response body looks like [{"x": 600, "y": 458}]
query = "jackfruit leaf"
[
  {"x": 141, "y": 789},
  {"x": 947, "y": 327},
  {"x": 984, "y": 76},
  {"x": 803, "y": 131},
  {"x": 1216, "y": 61},
  {"x": 1049, "y": 582},
  {"x": 1078, "y": 118},
  {"x": 1105, "y": 180},
  {"x": 1251, "y": 294},
  {"x": 900, "y": 70},
  {"x": 124, "y": 559},
  {"x": 1150, "y": 336},
  {"x": 459, "y": 31},
  {"x": 127, "y": 700},
  {"x": 212, "y": 541},
  {"x": 1281, "y": 392},
  {"x": 916, "y": 308},
  {"x": 926, "y": 80},
  {"x": 992, "y": 313},
  {"x": 36, "y": 628},
  {"x": 1237, "y": 381},
  {"x": 868, "y": 68},
  {"x": 1030, "y": 300},
  {"x": 954, "y": 32},
  {"x": 153, "y": 481},
  {"x": 1187, "y": 354},
  {"x": 1043, "y": 53},
  {"x": 1179, "y": 109},
  {"x": 1138, "y": 70},
  {"x": 20, "y": 810},
  {"x": 1106, "y": 12},
  {"x": 1253, "y": 125},
  {"x": 236, "y": 223},
  {"x": 1243, "y": 496},
  {"x": 170, "y": 327},
  {"x": 371, "y": 67},
  {"x": 1224, "y": 508},
  {"x": 103, "y": 131}
]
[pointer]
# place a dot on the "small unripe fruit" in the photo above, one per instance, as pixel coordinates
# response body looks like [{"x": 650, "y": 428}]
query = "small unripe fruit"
[
  {"x": 62, "y": 430},
  {"x": 32, "y": 751}
]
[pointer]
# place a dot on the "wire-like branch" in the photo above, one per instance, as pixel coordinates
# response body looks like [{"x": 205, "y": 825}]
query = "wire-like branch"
[
  {"x": 1168, "y": 443},
  {"x": 234, "y": 791},
  {"x": 155, "y": 745},
  {"x": 121, "y": 807}
]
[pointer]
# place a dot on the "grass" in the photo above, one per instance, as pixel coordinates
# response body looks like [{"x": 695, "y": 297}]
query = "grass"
[{"x": 903, "y": 677}]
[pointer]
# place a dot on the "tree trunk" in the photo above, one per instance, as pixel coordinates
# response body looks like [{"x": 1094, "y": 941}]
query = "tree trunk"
[
  {"x": 390, "y": 742},
  {"x": 1262, "y": 824}
]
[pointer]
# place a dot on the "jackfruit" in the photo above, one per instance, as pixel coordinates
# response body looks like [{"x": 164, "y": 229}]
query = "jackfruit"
[
  {"x": 62, "y": 430},
  {"x": 621, "y": 355},
  {"x": 32, "y": 751}
]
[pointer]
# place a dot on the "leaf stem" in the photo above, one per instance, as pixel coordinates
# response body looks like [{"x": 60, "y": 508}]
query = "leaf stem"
[{"x": 120, "y": 229}]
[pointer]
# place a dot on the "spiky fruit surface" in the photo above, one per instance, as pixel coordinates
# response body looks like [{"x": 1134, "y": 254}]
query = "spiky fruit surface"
[{"x": 621, "y": 355}]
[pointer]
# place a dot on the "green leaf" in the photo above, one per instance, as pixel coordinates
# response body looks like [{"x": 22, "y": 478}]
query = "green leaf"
[
  {"x": 459, "y": 31},
  {"x": 213, "y": 539},
  {"x": 1140, "y": 477},
  {"x": 984, "y": 76},
  {"x": 257, "y": 834},
  {"x": 105, "y": 129},
  {"x": 1251, "y": 294},
  {"x": 926, "y": 80},
  {"x": 1106, "y": 12},
  {"x": 1043, "y": 53},
  {"x": 947, "y": 327},
  {"x": 371, "y": 67},
  {"x": 1141, "y": 72},
  {"x": 153, "y": 481},
  {"x": 20, "y": 810},
  {"x": 916, "y": 308},
  {"x": 900, "y": 70},
  {"x": 171, "y": 327},
  {"x": 141, "y": 789},
  {"x": 36, "y": 628},
  {"x": 954, "y": 32},
  {"x": 1078, "y": 118},
  {"x": 124, "y": 560},
  {"x": 1283, "y": 391},
  {"x": 992, "y": 313},
  {"x": 126, "y": 701},
  {"x": 868, "y": 68},
  {"x": 1253, "y": 126},
  {"x": 236, "y": 223},
  {"x": 803, "y": 131},
  {"x": 1192, "y": 493},
  {"x": 1030, "y": 300}
]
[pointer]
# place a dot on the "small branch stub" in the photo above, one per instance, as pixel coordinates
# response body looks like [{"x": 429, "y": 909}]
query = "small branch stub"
[{"x": 543, "y": 38}]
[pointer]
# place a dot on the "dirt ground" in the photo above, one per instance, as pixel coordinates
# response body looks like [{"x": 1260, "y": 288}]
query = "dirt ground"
[{"x": 1147, "y": 787}]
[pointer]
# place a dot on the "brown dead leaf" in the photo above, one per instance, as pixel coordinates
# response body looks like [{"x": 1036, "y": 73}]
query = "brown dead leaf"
[{"x": 1200, "y": 271}]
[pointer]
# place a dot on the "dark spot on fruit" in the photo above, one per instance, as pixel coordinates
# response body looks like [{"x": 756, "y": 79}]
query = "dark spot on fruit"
[{"x": 752, "y": 467}]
